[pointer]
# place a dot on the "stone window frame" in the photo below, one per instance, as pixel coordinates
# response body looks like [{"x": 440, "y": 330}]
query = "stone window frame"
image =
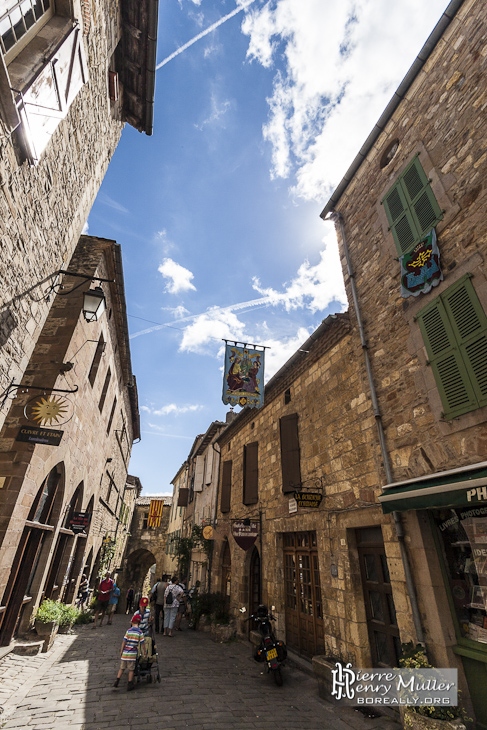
[{"x": 17, "y": 73}]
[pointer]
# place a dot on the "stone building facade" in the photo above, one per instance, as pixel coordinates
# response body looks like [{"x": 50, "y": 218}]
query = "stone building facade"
[
  {"x": 423, "y": 307},
  {"x": 314, "y": 435},
  {"x": 87, "y": 69},
  {"x": 176, "y": 516},
  {"x": 79, "y": 403},
  {"x": 146, "y": 546}
]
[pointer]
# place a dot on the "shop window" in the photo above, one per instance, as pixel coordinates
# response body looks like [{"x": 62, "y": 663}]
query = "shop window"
[
  {"x": 225, "y": 502},
  {"x": 251, "y": 473},
  {"x": 100, "y": 349},
  {"x": 454, "y": 329},
  {"x": 463, "y": 543},
  {"x": 290, "y": 454},
  {"x": 104, "y": 390},
  {"x": 411, "y": 207}
]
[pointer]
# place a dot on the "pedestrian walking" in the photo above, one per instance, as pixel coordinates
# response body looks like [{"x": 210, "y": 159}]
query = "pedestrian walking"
[
  {"x": 172, "y": 597},
  {"x": 83, "y": 592},
  {"x": 129, "y": 600},
  {"x": 157, "y": 597},
  {"x": 183, "y": 604},
  {"x": 104, "y": 590},
  {"x": 145, "y": 615},
  {"x": 133, "y": 641},
  {"x": 113, "y": 602}
]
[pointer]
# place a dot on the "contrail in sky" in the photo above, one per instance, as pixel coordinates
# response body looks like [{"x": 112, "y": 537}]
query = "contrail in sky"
[
  {"x": 203, "y": 33},
  {"x": 263, "y": 301}
]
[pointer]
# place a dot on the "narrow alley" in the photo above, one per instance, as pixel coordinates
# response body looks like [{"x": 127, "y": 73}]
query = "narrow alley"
[{"x": 204, "y": 685}]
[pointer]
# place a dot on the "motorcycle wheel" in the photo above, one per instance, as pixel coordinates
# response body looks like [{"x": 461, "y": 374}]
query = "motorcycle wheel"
[{"x": 277, "y": 676}]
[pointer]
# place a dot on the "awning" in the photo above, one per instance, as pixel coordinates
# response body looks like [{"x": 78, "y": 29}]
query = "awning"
[{"x": 463, "y": 487}]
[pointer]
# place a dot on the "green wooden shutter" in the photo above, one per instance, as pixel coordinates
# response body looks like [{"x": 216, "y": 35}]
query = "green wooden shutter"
[
  {"x": 251, "y": 473},
  {"x": 290, "y": 456},
  {"x": 454, "y": 329},
  {"x": 470, "y": 326},
  {"x": 411, "y": 207}
]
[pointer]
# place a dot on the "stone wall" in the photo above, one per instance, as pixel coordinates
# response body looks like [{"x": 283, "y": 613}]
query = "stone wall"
[
  {"x": 95, "y": 448},
  {"x": 43, "y": 209},
  {"x": 338, "y": 450},
  {"x": 441, "y": 120}
]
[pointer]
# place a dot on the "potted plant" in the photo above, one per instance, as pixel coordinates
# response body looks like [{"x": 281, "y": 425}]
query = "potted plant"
[
  {"x": 428, "y": 717},
  {"x": 46, "y": 622},
  {"x": 68, "y": 616}
]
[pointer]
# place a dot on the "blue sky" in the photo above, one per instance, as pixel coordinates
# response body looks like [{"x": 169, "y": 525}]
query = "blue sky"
[{"x": 218, "y": 212}]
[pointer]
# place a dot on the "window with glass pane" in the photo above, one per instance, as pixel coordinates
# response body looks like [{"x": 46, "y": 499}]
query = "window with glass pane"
[{"x": 18, "y": 17}]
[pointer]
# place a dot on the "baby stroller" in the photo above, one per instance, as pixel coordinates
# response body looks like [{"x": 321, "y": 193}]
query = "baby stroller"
[{"x": 144, "y": 666}]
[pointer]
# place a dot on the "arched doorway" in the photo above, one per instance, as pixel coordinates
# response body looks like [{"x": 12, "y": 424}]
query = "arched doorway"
[
  {"x": 226, "y": 573},
  {"x": 31, "y": 552},
  {"x": 62, "y": 560},
  {"x": 75, "y": 569}
]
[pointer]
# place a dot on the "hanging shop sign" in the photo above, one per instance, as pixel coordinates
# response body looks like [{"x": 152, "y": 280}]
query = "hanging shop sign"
[
  {"x": 208, "y": 532},
  {"x": 49, "y": 410},
  {"x": 293, "y": 506},
  {"x": 35, "y": 435},
  {"x": 245, "y": 534},
  {"x": 420, "y": 268},
  {"x": 80, "y": 521},
  {"x": 312, "y": 500},
  {"x": 243, "y": 376}
]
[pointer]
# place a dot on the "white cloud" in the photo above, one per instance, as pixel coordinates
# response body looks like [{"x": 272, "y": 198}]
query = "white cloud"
[
  {"x": 86, "y": 228},
  {"x": 111, "y": 203},
  {"x": 173, "y": 409},
  {"x": 314, "y": 287},
  {"x": 162, "y": 238},
  {"x": 340, "y": 65},
  {"x": 281, "y": 350},
  {"x": 177, "y": 312},
  {"x": 205, "y": 330},
  {"x": 217, "y": 112},
  {"x": 178, "y": 278}
]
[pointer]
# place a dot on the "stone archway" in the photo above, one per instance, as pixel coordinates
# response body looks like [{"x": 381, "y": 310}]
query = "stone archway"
[{"x": 138, "y": 565}]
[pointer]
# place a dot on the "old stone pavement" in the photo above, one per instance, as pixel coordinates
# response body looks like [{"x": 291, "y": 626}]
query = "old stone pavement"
[{"x": 205, "y": 686}]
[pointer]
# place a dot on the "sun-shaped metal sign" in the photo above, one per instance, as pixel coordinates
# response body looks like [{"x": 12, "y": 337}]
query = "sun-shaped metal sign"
[{"x": 49, "y": 410}]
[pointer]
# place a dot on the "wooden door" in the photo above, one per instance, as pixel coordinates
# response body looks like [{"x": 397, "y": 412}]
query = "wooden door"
[
  {"x": 385, "y": 645},
  {"x": 304, "y": 613}
]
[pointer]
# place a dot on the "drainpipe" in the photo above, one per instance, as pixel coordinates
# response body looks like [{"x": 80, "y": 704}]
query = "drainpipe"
[{"x": 337, "y": 218}]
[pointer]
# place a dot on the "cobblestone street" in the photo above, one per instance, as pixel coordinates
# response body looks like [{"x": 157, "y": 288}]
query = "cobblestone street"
[{"x": 206, "y": 686}]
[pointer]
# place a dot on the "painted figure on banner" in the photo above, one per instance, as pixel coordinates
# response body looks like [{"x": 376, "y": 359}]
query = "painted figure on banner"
[
  {"x": 243, "y": 382},
  {"x": 420, "y": 268}
]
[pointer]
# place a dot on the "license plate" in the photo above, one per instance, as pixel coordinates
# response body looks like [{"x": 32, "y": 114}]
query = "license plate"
[{"x": 272, "y": 654}]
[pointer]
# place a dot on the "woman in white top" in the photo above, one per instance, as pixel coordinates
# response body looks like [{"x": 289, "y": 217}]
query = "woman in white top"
[{"x": 172, "y": 596}]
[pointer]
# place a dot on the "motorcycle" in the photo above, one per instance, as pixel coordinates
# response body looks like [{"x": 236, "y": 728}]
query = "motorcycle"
[{"x": 271, "y": 650}]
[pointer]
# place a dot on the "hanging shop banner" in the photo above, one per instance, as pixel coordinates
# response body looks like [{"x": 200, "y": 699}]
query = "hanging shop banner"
[
  {"x": 245, "y": 535},
  {"x": 80, "y": 521},
  {"x": 420, "y": 268},
  {"x": 308, "y": 499},
  {"x": 35, "y": 435},
  {"x": 49, "y": 410},
  {"x": 155, "y": 512},
  {"x": 243, "y": 378}
]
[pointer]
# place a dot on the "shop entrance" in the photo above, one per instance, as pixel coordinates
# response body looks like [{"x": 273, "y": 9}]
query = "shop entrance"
[
  {"x": 304, "y": 611},
  {"x": 385, "y": 645}
]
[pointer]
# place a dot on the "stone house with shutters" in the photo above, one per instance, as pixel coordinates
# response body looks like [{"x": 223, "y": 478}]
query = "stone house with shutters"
[
  {"x": 194, "y": 502},
  {"x": 72, "y": 72},
  {"x": 315, "y": 436},
  {"x": 411, "y": 225},
  {"x": 65, "y": 446}
]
